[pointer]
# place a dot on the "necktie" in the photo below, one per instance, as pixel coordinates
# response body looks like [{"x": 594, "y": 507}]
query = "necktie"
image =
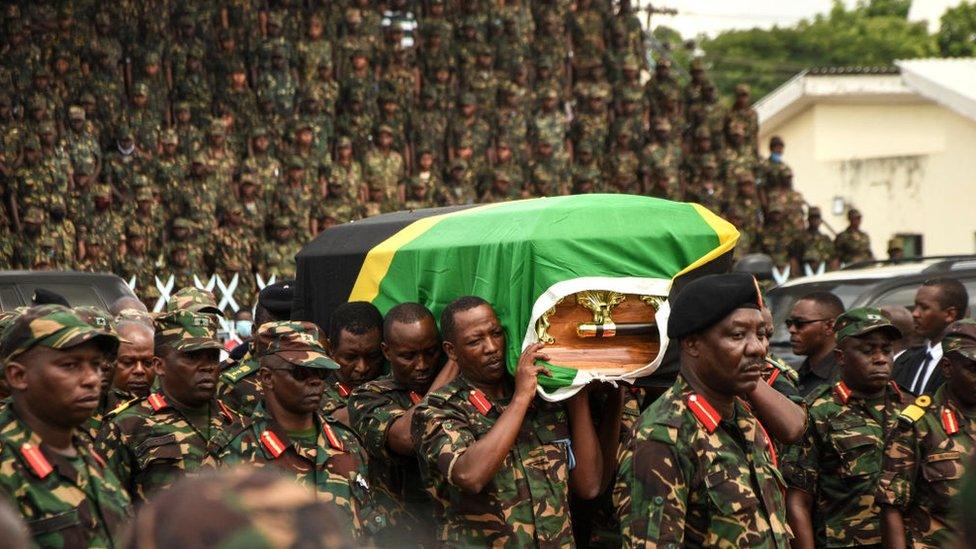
[{"x": 919, "y": 382}]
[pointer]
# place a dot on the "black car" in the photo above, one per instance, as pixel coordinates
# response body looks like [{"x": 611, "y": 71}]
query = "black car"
[
  {"x": 95, "y": 289},
  {"x": 870, "y": 284}
]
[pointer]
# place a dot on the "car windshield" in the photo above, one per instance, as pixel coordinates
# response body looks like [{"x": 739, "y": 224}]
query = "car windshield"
[{"x": 781, "y": 300}]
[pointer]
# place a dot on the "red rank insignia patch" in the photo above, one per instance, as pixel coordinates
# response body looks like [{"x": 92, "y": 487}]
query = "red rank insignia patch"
[
  {"x": 272, "y": 443},
  {"x": 333, "y": 438},
  {"x": 343, "y": 389},
  {"x": 415, "y": 398},
  {"x": 949, "y": 422},
  {"x": 36, "y": 460},
  {"x": 157, "y": 401},
  {"x": 703, "y": 412},
  {"x": 480, "y": 401},
  {"x": 842, "y": 391}
]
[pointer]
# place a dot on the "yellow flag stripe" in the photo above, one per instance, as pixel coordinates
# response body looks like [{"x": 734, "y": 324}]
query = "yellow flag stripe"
[
  {"x": 727, "y": 237},
  {"x": 378, "y": 259}
]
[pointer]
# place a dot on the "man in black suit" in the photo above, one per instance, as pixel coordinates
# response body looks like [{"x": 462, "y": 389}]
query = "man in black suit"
[
  {"x": 938, "y": 303},
  {"x": 811, "y": 326}
]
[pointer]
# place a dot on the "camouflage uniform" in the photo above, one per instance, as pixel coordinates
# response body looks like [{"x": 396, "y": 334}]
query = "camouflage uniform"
[
  {"x": 853, "y": 245},
  {"x": 150, "y": 442},
  {"x": 927, "y": 456},
  {"x": 238, "y": 386},
  {"x": 65, "y": 501},
  {"x": 690, "y": 477},
  {"x": 838, "y": 460},
  {"x": 814, "y": 248},
  {"x": 527, "y": 502},
  {"x": 373, "y": 408},
  {"x": 384, "y": 170}
]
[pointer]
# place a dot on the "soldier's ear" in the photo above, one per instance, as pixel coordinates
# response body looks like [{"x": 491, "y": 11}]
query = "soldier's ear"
[
  {"x": 689, "y": 344},
  {"x": 839, "y": 356},
  {"x": 157, "y": 366},
  {"x": 16, "y": 376},
  {"x": 386, "y": 350},
  {"x": 267, "y": 381},
  {"x": 449, "y": 350}
]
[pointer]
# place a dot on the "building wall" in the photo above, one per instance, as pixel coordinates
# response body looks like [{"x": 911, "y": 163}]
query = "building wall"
[{"x": 909, "y": 168}]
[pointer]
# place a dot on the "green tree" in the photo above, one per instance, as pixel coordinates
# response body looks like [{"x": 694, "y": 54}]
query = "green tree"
[
  {"x": 957, "y": 31},
  {"x": 871, "y": 34}
]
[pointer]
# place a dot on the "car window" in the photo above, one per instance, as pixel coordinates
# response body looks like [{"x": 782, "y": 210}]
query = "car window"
[
  {"x": 10, "y": 298},
  {"x": 76, "y": 294}
]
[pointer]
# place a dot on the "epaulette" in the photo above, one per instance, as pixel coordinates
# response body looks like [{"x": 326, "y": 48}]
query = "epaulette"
[
  {"x": 333, "y": 438},
  {"x": 415, "y": 398},
  {"x": 36, "y": 460},
  {"x": 703, "y": 412},
  {"x": 914, "y": 412},
  {"x": 115, "y": 411},
  {"x": 343, "y": 389},
  {"x": 272, "y": 443},
  {"x": 239, "y": 372},
  {"x": 157, "y": 401}
]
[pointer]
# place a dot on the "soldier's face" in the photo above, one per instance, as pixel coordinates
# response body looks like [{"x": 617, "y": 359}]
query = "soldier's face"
[
  {"x": 183, "y": 115},
  {"x": 960, "y": 378},
  {"x": 137, "y": 245},
  {"x": 866, "y": 361},
  {"x": 385, "y": 140},
  {"x": 813, "y": 223},
  {"x": 32, "y": 155},
  {"x": 928, "y": 316},
  {"x": 134, "y": 370},
  {"x": 467, "y": 109},
  {"x": 359, "y": 356},
  {"x": 478, "y": 345},
  {"x": 731, "y": 353},
  {"x": 238, "y": 78},
  {"x": 414, "y": 353},
  {"x": 58, "y": 387},
  {"x": 261, "y": 143},
  {"x": 296, "y": 389},
  {"x": 305, "y": 136},
  {"x": 140, "y": 100},
  {"x": 189, "y": 377}
]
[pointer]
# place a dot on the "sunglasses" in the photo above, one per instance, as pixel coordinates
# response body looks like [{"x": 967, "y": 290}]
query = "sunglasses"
[
  {"x": 800, "y": 323},
  {"x": 301, "y": 373}
]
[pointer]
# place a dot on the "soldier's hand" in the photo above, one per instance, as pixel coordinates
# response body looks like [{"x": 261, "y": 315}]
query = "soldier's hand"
[{"x": 527, "y": 371}]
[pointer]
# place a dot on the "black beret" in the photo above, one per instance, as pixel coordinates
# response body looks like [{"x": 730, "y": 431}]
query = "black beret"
[
  {"x": 277, "y": 298},
  {"x": 44, "y": 297},
  {"x": 707, "y": 300}
]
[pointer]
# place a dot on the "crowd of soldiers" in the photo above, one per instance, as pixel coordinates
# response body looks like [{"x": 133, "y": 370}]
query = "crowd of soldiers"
[
  {"x": 408, "y": 432},
  {"x": 173, "y": 138}
]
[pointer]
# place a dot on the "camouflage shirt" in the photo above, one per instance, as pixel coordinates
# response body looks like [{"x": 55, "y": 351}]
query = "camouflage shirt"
[
  {"x": 690, "y": 477},
  {"x": 853, "y": 245},
  {"x": 238, "y": 386},
  {"x": 373, "y": 408},
  {"x": 838, "y": 462},
  {"x": 151, "y": 443},
  {"x": 335, "y": 464},
  {"x": 924, "y": 462},
  {"x": 527, "y": 502},
  {"x": 66, "y": 502}
]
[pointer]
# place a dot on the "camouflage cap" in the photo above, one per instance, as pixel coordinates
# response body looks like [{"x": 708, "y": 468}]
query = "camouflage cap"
[
  {"x": 960, "y": 337},
  {"x": 144, "y": 194},
  {"x": 384, "y": 128},
  {"x": 862, "y": 320},
  {"x": 194, "y": 300},
  {"x": 282, "y": 222},
  {"x": 896, "y": 243},
  {"x": 84, "y": 166},
  {"x": 742, "y": 89},
  {"x": 467, "y": 98},
  {"x": 186, "y": 331},
  {"x": 101, "y": 190},
  {"x": 32, "y": 143},
  {"x": 125, "y": 132},
  {"x": 295, "y": 342},
  {"x": 76, "y": 112},
  {"x": 170, "y": 137},
  {"x": 54, "y": 326},
  {"x": 99, "y": 318},
  {"x": 182, "y": 223},
  {"x": 141, "y": 88},
  {"x": 343, "y": 141}
]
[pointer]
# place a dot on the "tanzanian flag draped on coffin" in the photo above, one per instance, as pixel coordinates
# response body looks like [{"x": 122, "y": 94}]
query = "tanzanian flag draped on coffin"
[{"x": 521, "y": 256}]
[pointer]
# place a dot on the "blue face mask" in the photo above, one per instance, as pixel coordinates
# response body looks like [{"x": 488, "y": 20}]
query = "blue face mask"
[
  {"x": 775, "y": 158},
  {"x": 244, "y": 328}
]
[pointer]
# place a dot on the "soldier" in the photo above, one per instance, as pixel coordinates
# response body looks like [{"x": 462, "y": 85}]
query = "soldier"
[
  {"x": 383, "y": 167},
  {"x": 238, "y": 386},
  {"x": 853, "y": 244},
  {"x": 151, "y": 442},
  {"x": 813, "y": 248},
  {"x": 276, "y": 257},
  {"x": 493, "y": 456},
  {"x": 501, "y": 189},
  {"x": 777, "y": 238},
  {"x": 28, "y": 245},
  {"x": 459, "y": 187},
  {"x": 700, "y": 469},
  {"x": 52, "y": 474},
  {"x": 382, "y": 409},
  {"x": 930, "y": 451},
  {"x": 288, "y": 430},
  {"x": 743, "y": 113},
  {"x": 779, "y": 192},
  {"x": 81, "y": 140},
  {"x": 833, "y": 472},
  {"x": 354, "y": 338},
  {"x": 129, "y": 373}
]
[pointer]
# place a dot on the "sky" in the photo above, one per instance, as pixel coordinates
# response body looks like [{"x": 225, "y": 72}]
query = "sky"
[{"x": 713, "y": 16}]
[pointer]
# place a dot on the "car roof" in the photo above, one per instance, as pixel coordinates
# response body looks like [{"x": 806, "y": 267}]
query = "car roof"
[{"x": 886, "y": 270}]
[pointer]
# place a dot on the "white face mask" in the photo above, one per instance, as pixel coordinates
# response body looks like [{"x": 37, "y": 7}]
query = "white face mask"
[
  {"x": 127, "y": 150},
  {"x": 244, "y": 328}
]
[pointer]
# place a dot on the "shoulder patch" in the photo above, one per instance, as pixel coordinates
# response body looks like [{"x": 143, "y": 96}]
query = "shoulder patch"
[
  {"x": 703, "y": 412},
  {"x": 913, "y": 412},
  {"x": 239, "y": 372}
]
